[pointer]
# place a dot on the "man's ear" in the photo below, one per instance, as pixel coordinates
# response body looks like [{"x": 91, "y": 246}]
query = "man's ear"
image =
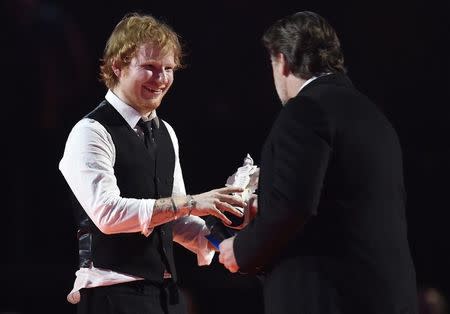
[
  {"x": 116, "y": 67},
  {"x": 283, "y": 66}
]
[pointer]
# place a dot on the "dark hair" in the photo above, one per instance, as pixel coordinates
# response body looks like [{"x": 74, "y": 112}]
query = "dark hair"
[{"x": 308, "y": 42}]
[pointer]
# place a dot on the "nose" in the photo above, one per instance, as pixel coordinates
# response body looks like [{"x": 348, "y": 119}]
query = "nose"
[{"x": 163, "y": 77}]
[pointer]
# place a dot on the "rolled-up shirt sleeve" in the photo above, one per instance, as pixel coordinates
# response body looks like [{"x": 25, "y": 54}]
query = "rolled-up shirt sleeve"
[{"x": 87, "y": 166}]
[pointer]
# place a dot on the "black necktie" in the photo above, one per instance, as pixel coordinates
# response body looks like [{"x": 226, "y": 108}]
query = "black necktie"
[{"x": 150, "y": 130}]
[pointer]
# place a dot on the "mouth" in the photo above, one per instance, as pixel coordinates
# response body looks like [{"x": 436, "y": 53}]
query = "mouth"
[{"x": 155, "y": 91}]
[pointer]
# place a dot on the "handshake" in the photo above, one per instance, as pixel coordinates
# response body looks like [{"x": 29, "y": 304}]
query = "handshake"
[{"x": 246, "y": 177}]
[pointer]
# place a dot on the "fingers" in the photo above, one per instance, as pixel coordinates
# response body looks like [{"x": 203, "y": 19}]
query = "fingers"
[
  {"x": 232, "y": 200},
  {"x": 229, "y": 190},
  {"x": 253, "y": 206},
  {"x": 221, "y": 207},
  {"x": 253, "y": 201},
  {"x": 219, "y": 214},
  {"x": 226, "y": 255},
  {"x": 225, "y": 207},
  {"x": 218, "y": 201},
  {"x": 232, "y": 268}
]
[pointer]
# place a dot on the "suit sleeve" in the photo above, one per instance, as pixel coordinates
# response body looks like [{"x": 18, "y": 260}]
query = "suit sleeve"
[{"x": 295, "y": 157}]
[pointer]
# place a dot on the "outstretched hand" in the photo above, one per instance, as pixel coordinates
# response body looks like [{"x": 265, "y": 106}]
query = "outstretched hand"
[{"x": 218, "y": 201}]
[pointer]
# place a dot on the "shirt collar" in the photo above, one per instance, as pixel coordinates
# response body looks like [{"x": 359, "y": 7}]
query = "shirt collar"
[
  {"x": 126, "y": 111},
  {"x": 307, "y": 82},
  {"x": 312, "y": 79}
]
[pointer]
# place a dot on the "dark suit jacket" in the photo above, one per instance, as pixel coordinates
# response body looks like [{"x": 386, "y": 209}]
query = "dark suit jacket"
[{"x": 331, "y": 233}]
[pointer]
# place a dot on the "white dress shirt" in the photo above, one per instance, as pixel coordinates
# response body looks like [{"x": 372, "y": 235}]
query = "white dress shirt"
[
  {"x": 312, "y": 79},
  {"x": 88, "y": 167}
]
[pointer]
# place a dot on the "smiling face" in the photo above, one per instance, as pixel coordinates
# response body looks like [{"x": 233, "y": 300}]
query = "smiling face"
[{"x": 143, "y": 83}]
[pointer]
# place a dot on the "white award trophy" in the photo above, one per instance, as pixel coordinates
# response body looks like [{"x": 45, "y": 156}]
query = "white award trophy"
[{"x": 245, "y": 177}]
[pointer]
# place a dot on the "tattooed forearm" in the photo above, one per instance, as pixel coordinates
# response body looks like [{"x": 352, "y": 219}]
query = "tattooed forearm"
[
  {"x": 163, "y": 212},
  {"x": 171, "y": 208}
]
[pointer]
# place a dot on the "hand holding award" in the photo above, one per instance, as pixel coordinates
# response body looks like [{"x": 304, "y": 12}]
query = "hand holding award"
[{"x": 245, "y": 177}]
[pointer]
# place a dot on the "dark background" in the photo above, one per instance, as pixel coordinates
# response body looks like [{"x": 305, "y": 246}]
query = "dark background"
[{"x": 221, "y": 106}]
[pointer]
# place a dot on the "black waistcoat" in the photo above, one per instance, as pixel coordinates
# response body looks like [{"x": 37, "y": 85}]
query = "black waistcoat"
[{"x": 139, "y": 175}]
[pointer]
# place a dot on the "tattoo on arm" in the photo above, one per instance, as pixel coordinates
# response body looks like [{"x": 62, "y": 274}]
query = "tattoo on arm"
[{"x": 162, "y": 212}]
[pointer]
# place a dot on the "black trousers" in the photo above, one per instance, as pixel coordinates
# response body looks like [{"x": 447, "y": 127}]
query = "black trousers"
[{"x": 137, "y": 297}]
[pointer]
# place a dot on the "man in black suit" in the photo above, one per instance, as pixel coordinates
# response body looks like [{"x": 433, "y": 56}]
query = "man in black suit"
[{"x": 330, "y": 233}]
